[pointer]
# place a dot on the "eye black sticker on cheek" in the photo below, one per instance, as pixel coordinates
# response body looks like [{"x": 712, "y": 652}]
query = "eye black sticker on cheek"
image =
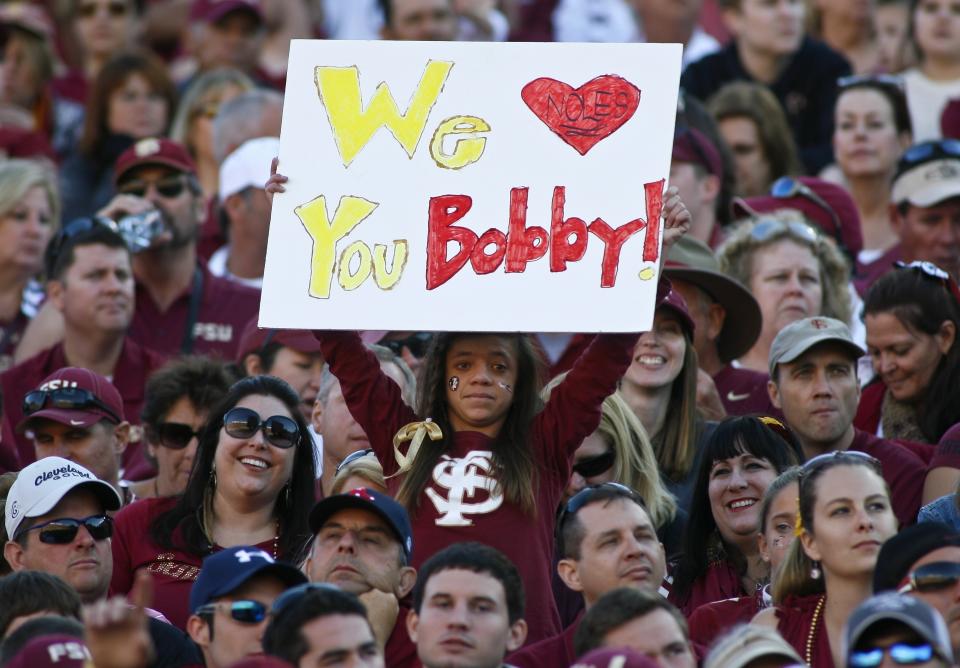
[
  {"x": 454, "y": 382},
  {"x": 508, "y": 388}
]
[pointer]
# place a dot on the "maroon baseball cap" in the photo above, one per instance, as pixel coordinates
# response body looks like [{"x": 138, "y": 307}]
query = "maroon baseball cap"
[
  {"x": 610, "y": 657},
  {"x": 675, "y": 302},
  {"x": 57, "y": 650},
  {"x": 211, "y": 11},
  {"x": 845, "y": 229},
  {"x": 950, "y": 119},
  {"x": 24, "y": 143},
  {"x": 254, "y": 339},
  {"x": 691, "y": 145},
  {"x": 105, "y": 402},
  {"x": 154, "y": 151}
]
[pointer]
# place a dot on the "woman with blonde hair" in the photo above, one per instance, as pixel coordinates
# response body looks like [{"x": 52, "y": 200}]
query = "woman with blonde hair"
[
  {"x": 844, "y": 517},
  {"x": 792, "y": 269},
  {"x": 361, "y": 469},
  {"x": 29, "y": 216}
]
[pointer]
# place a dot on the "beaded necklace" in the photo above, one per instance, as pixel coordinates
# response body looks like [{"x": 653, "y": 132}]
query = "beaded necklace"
[{"x": 813, "y": 630}]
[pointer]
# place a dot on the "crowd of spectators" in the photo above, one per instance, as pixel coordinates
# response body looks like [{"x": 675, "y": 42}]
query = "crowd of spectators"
[{"x": 769, "y": 477}]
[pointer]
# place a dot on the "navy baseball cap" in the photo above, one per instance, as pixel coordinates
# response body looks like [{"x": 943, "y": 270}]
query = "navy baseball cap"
[
  {"x": 228, "y": 570},
  {"x": 365, "y": 498}
]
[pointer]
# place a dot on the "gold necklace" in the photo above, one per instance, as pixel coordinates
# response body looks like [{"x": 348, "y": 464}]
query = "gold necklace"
[{"x": 813, "y": 629}]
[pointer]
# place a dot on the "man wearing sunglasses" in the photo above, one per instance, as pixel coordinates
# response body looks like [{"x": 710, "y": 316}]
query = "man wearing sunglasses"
[
  {"x": 813, "y": 380},
  {"x": 923, "y": 561},
  {"x": 78, "y": 415},
  {"x": 90, "y": 283},
  {"x": 180, "y": 306},
  {"x": 230, "y": 603},
  {"x": 894, "y": 630},
  {"x": 363, "y": 544},
  {"x": 925, "y": 204},
  {"x": 607, "y": 541}
]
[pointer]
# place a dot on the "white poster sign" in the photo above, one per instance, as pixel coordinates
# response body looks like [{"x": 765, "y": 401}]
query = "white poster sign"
[{"x": 471, "y": 186}]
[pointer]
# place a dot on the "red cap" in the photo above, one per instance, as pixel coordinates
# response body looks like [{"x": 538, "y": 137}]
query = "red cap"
[
  {"x": 57, "y": 650},
  {"x": 254, "y": 338},
  {"x": 27, "y": 17},
  {"x": 675, "y": 301},
  {"x": 154, "y": 151},
  {"x": 691, "y": 145},
  {"x": 608, "y": 657},
  {"x": 24, "y": 143},
  {"x": 211, "y": 11},
  {"x": 83, "y": 379},
  {"x": 950, "y": 120},
  {"x": 850, "y": 234}
]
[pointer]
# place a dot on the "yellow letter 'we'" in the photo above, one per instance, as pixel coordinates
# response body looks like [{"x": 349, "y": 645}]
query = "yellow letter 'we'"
[{"x": 339, "y": 89}]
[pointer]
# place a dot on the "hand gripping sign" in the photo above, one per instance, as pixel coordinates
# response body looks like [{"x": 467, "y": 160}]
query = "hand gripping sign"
[{"x": 471, "y": 187}]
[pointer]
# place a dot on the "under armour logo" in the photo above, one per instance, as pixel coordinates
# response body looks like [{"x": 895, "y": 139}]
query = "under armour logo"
[
  {"x": 245, "y": 557},
  {"x": 362, "y": 493},
  {"x": 463, "y": 478}
]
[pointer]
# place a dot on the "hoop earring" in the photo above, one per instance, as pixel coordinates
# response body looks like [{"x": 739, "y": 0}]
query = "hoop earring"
[{"x": 815, "y": 572}]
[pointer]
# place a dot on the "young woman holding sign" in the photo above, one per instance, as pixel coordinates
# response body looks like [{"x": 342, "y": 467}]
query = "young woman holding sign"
[{"x": 481, "y": 458}]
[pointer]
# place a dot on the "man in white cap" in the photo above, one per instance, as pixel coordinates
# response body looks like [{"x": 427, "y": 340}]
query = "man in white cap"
[
  {"x": 245, "y": 212},
  {"x": 57, "y": 522}
]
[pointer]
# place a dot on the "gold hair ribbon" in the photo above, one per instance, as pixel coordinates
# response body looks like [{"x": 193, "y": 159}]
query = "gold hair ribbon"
[
  {"x": 798, "y": 523},
  {"x": 414, "y": 432}
]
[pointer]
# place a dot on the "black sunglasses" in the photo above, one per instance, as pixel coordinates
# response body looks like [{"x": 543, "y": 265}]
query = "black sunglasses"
[
  {"x": 294, "y": 594},
  {"x": 415, "y": 343},
  {"x": 173, "y": 435},
  {"x": 245, "y": 612},
  {"x": 351, "y": 458},
  {"x": 279, "y": 430},
  {"x": 68, "y": 398},
  {"x": 63, "y": 531},
  {"x": 592, "y": 466},
  {"x": 585, "y": 496},
  {"x": 931, "y": 577},
  {"x": 168, "y": 187},
  {"x": 902, "y": 654}
]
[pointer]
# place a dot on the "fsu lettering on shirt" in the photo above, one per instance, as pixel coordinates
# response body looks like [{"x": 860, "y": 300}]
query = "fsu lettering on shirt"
[
  {"x": 225, "y": 307},
  {"x": 461, "y": 502}
]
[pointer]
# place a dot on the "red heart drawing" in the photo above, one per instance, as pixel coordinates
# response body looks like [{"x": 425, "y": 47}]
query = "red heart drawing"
[{"x": 582, "y": 116}]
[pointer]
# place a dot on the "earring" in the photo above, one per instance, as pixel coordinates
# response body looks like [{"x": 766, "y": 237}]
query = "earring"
[
  {"x": 286, "y": 495},
  {"x": 815, "y": 571}
]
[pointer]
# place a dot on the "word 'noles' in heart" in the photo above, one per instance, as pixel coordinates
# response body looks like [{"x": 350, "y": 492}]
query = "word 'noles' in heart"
[{"x": 582, "y": 116}]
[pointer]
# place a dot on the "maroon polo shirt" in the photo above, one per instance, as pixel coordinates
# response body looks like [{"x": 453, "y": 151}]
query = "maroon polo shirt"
[
  {"x": 555, "y": 651},
  {"x": 136, "y": 363},
  {"x": 225, "y": 308},
  {"x": 867, "y": 274},
  {"x": 744, "y": 392}
]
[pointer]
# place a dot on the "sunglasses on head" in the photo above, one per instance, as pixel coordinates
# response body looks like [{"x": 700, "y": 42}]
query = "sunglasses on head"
[
  {"x": 586, "y": 495},
  {"x": 942, "y": 148},
  {"x": 63, "y": 531},
  {"x": 890, "y": 80},
  {"x": 931, "y": 577},
  {"x": 767, "y": 228},
  {"x": 294, "y": 594},
  {"x": 68, "y": 398},
  {"x": 415, "y": 343},
  {"x": 842, "y": 456},
  {"x": 114, "y": 9},
  {"x": 173, "y": 435},
  {"x": 75, "y": 228},
  {"x": 245, "y": 612},
  {"x": 932, "y": 271},
  {"x": 592, "y": 466},
  {"x": 787, "y": 187},
  {"x": 351, "y": 458},
  {"x": 168, "y": 187},
  {"x": 902, "y": 654},
  {"x": 279, "y": 430}
]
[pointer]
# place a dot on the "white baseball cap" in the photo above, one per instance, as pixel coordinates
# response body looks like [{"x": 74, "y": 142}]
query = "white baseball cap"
[
  {"x": 248, "y": 166},
  {"x": 41, "y": 485}
]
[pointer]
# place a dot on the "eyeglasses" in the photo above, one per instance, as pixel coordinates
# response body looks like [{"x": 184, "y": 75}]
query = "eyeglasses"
[
  {"x": 68, "y": 398},
  {"x": 351, "y": 458},
  {"x": 113, "y": 9},
  {"x": 63, "y": 531},
  {"x": 903, "y": 654},
  {"x": 415, "y": 343},
  {"x": 168, "y": 187},
  {"x": 943, "y": 148},
  {"x": 245, "y": 612},
  {"x": 173, "y": 435},
  {"x": 786, "y": 187},
  {"x": 294, "y": 594},
  {"x": 592, "y": 466},
  {"x": 931, "y": 577},
  {"x": 279, "y": 430},
  {"x": 890, "y": 80},
  {"x": 930, "y": 270},
  {"x": 767, "y": 228}
]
